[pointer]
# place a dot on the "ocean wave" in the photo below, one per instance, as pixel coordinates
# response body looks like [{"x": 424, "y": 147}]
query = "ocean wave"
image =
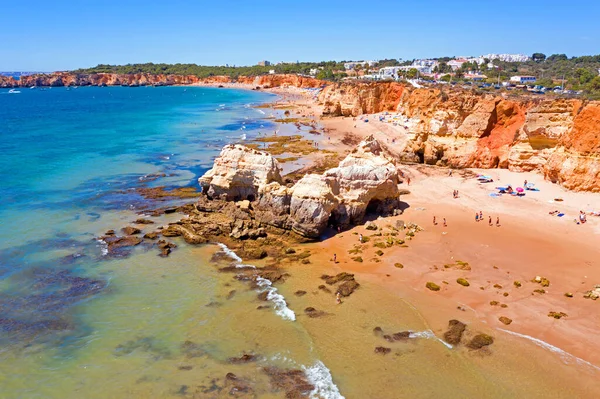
[
  {"x": 261, "y": 111},
  {"x": 320, "y": 376},
  {"x": 230, "y": 253},
  {"x": 278, "y": 300},
  {"x": 565, "y": 356}
]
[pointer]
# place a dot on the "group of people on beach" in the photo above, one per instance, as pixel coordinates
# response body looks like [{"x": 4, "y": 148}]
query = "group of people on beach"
[
  {"x": 479, "y": 218},
  {"x": 435, "y": 221}
]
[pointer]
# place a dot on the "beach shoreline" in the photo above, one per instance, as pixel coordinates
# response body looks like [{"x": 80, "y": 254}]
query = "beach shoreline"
[{"x": 529, "y": 242}]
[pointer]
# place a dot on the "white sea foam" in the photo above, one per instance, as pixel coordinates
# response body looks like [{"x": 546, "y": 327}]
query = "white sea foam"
[
  {"x": 320, "y": 376},
  {"x": 261, "y": 111},
  {"x": 243, "y": 136},
  {"x": 230, "y": 253},
  {"x": 278, "y": 300},
  {"x": 565, "y": 356},
  {"x": 428, "y": 334},
  {"x": 103, "y": 246}
]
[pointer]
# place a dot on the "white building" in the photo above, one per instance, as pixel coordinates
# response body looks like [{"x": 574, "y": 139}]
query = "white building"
[
  {"x": 456, "y": 64},
  {"x": 522, "y": 79},
  {"x": 390, "y": 72},
  {"x": 353, "y": 64},
  {"x": 507, "y": 57}
]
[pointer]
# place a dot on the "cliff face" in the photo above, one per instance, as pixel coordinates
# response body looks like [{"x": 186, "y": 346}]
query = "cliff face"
[
  {"x": 114, "y": 79},
  {"x": 576, "y": 162},
  {"x": 96, "y": 79},
  {"x": 557, "y": 137},
  {"x": 353, "y": 99},
  {"x": 281, "y": 81}
]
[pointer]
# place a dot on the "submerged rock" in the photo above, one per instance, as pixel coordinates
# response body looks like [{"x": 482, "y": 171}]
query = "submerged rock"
[
  {"x": 165, "y": 247},
  {"x": 381, "y": 350},
  {"x": 314, "y": 313},
  {"x": 245, "y": 358},
  {"x": 293, "y": 383},
  {"x": 143, "y": 221},
  {"x": 455, "y": 332},
  {"x": 117, "y": 245},
  {"x": 130, "y": 230},
  {"x": 479, "y": 341}
]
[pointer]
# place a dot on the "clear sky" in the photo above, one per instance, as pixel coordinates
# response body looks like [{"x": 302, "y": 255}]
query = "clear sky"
[{"x": 48, "y": 35}]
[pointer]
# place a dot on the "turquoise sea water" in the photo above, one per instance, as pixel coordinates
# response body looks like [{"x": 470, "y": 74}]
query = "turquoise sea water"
[{"x": 67, "y": 153}]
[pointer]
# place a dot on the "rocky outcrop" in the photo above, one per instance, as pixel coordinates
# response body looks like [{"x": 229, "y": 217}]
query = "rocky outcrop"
[
  {"x": 365, "y": 181},
  {"x": 458, "y": 128},
  {"x": 238, "y": 172},
  {"x": 353, "y": 99}
]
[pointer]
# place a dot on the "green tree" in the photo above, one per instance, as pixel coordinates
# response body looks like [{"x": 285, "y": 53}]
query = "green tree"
[
  {"x": 584, "y": 75},
  {"x": 411, "y": 73},
  {"x": 538, "y": 57}
]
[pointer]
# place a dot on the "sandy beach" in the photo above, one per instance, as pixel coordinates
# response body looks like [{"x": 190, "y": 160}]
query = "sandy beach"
[{"x": 528, "y": 243}]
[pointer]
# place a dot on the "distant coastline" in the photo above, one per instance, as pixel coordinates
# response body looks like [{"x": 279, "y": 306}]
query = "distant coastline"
[{"x": 62, "y": 79}]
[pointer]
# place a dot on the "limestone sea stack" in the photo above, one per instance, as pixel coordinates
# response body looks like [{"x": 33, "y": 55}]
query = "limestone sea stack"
[
  {"x": 365, "y": 181},
  {"x": 238, "y": 172}
]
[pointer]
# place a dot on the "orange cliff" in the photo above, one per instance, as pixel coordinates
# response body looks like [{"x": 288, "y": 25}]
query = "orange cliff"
[
  {"x": 559, "y": 138},
  {"x": 283, "y": 80},
  {"x": 114, "y": 79},
  {"x": 95, "y": 79}
]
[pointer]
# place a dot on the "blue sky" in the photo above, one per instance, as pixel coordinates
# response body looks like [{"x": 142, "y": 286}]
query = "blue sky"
[{"x": 49, "y": 35}]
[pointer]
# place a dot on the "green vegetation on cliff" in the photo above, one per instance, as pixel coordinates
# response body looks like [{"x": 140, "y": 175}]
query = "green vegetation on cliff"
[{"x": 329, "y": 70}]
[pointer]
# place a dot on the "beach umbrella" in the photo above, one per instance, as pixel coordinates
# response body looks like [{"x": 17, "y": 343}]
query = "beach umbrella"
[{"x": 520, "y": 189}]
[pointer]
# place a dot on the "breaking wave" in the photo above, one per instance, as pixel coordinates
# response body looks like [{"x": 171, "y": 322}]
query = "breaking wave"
[
  {"x": 264, "y": 285},
  {"x": 278, "y": 300},
  {"x": 320, "y": 376}
]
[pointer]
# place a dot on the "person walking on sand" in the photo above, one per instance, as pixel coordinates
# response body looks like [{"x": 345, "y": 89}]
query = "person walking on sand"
[
  {"x": 498, "y": 221},
  {"x": 408, "y": 180},
  {"x": 360, "y": 238},
  {"x": 490, "y": 221},
  {"x": 334, "y": 258},
  {"x": 445, "y": 225},
  {"x": 434, "y": 222},
  {"x": 476, "y": 217},
  {"x": 480, "y": 215},
  {"x": 338, "y": 298}
]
